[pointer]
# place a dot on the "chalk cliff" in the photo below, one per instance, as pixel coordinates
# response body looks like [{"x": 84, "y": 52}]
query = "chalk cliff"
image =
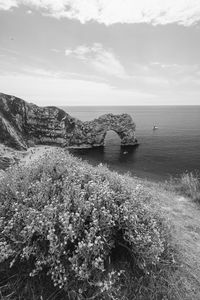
[{"x": 24, "y": 124}]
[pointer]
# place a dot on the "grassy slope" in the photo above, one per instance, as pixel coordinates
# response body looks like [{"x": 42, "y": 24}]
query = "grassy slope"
[{"x": 183, "y": 216}]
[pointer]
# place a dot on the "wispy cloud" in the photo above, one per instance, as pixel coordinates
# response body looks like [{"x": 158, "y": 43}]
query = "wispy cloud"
[
  {"x": 62, "y": 91},
  {"x": 184, "y": 12},
  {"x": 102, "y": 60},
  {"x": 41, "y": 72},
  {"x": 82, "y": 52},
  {"x": 55, "y": 50},
  {"x": 8, "y": 4}
]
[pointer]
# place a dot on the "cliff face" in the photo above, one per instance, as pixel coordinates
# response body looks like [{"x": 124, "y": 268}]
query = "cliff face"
[{"x": 23, "y": 125}]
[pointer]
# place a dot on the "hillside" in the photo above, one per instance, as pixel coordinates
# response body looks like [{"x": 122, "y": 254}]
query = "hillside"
[
  {"x": 81, "y": 225},
  {"x": 183, "y": 215}
]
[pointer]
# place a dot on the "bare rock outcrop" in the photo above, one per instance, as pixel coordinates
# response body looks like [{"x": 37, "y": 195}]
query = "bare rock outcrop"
[{"x": 23, "y": 125}]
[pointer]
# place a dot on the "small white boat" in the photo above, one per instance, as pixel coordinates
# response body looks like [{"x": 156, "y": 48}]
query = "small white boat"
[
  {"x": 155, "y": 127},
  {"x": 125, "y": 152}
]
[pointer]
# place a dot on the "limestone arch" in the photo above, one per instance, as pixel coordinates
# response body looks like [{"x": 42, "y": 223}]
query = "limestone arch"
[{"x": 92, "y": 133}]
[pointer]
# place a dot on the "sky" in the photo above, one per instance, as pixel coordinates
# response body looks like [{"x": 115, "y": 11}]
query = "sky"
[{"x": 101, "y": 52}]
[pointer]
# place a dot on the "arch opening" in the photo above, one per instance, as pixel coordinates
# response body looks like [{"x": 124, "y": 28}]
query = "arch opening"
[
  {"x": 112, "y": 146},
  {"x": 112, "y": 138}
]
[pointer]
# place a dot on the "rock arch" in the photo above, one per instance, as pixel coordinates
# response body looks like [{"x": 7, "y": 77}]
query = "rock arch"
[{"x": 92, "y": 133}]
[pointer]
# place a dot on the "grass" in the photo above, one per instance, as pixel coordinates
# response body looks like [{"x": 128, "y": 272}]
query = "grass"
[
  {"x": 183, "y": 214},
  {"x": 188, "y": 184},
  {"x": 72, "y": 231}
]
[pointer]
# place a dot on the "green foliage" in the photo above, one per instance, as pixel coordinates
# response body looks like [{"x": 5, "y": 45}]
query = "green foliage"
[{"x": 73, "y": 231}]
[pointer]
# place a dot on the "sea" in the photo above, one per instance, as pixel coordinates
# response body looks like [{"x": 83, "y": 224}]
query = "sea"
[{"x": 170, "y": 150}]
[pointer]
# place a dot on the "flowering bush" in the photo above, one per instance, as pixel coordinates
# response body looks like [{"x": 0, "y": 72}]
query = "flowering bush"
[{"x": 77, "y": 227}]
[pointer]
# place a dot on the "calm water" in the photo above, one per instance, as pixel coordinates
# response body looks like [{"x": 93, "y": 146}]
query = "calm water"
[{"x": 171, "y": 150}]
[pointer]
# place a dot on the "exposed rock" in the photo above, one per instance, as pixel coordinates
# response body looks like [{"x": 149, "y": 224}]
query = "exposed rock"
[
  {"x": 23, "y": 125},
  {"x": 9, "y": 156}
]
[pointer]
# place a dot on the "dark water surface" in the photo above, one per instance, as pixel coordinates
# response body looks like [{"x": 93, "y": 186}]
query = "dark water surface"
[{"x": 170, "y": 150}]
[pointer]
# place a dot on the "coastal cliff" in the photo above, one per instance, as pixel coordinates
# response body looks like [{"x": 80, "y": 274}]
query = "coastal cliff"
[{"x": 23, "y": 124}]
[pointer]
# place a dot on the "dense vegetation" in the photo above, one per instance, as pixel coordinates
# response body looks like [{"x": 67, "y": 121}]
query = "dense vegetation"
[{"x": 72, "y": 231}]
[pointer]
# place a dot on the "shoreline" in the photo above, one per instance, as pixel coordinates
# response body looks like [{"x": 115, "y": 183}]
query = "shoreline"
[
  {"x": 9, "y": 156},
  {"x": 12, "y": 156}
]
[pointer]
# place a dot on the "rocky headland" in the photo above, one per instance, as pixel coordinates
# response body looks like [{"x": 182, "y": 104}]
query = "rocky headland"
[{"x": 23, "y": 125}]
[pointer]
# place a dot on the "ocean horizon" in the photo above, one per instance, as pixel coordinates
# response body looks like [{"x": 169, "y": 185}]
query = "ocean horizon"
[{"x": 172, "y": 149}]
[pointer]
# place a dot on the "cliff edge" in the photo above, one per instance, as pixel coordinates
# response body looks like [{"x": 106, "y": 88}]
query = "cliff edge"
[{"x": 23, "y": 124}]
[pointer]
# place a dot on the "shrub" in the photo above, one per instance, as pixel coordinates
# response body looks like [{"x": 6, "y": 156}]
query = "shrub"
[{"x": 72, "y": 231}]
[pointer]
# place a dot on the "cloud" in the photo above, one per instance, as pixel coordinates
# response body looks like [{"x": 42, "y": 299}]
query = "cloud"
[
  {"x": 82, "y": 51},
  {"x": 41, "y": 72},
  {"x": 103, "y": 61},
  {"x": 175, "y": 70},
  {"x": 8, "y": 4},
  {"x": 62, "y": 91},
  {"x": 184, "y": 12},
  {"x": 55, "y": 50}
]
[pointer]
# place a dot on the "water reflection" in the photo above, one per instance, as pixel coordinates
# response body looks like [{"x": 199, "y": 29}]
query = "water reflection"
[
  {"x": 111, "y": 150},
  {"x": 112, "y": 154}
]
